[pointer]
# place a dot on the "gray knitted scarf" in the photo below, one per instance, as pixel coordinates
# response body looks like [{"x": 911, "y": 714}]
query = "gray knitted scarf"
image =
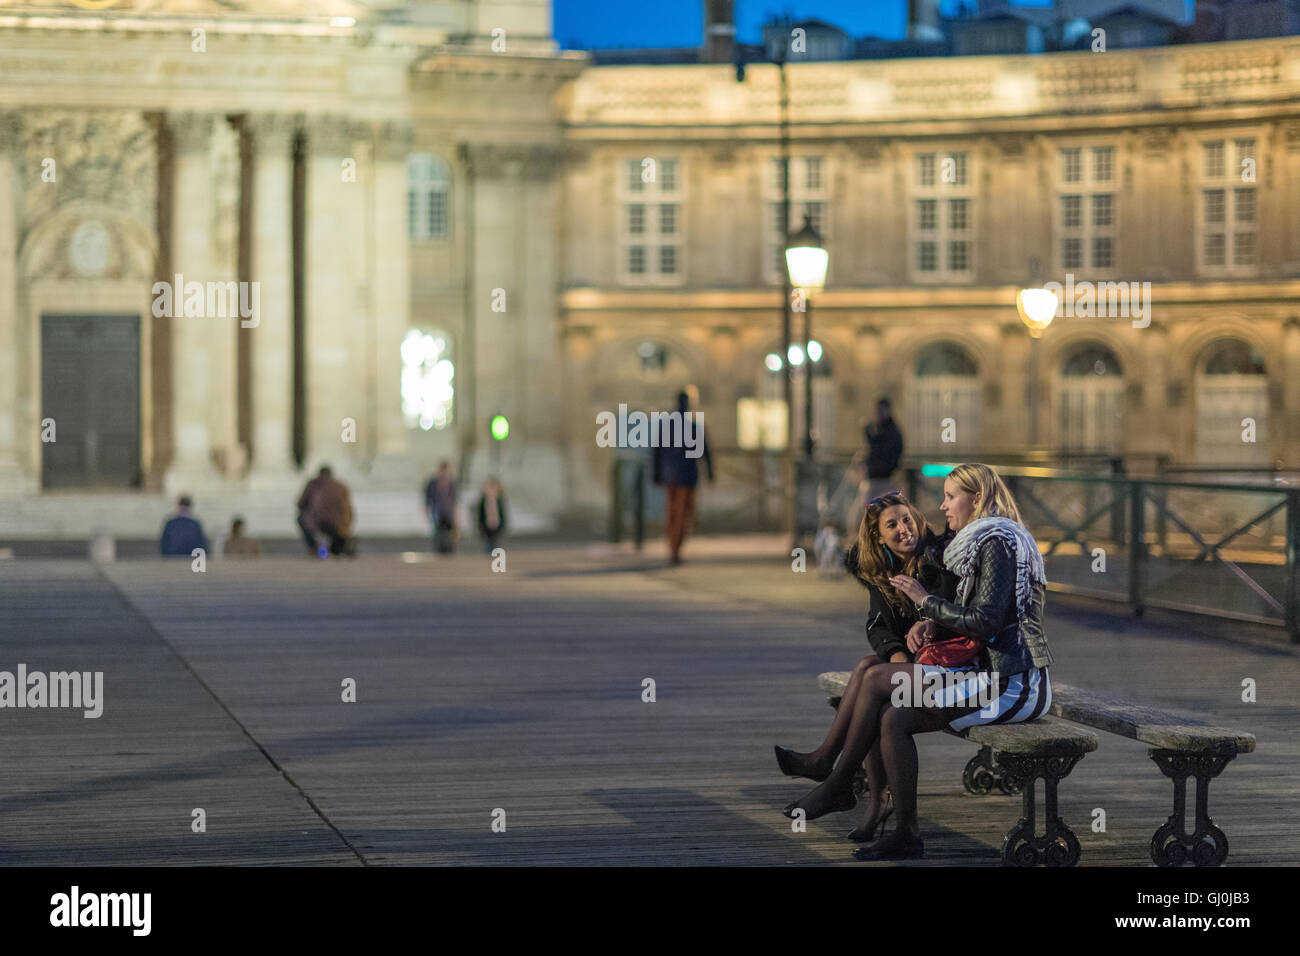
[{"x": 962, "y": 554}]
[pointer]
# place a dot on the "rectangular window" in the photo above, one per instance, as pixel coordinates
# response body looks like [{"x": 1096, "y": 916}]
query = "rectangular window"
[
  {"x": 925, "y": 169},
  {"x": 1072, "y": 253},
  {"x": 1101, "y": 209},
  {"x": 957, "y": 256},
  {"x": 812, "y": 174},
  {"x": 1214, "y": 207},
  {"x": 667, "y": 259},
  {"x": 926, "y": 214},
  {"x": 650, "y": 214},
  {"x": 957, "y": 214},
  {"x": 1101, "y": 252},
  {"x": 668, "y": 219},
  {"x": 1214, "y": 160},
  {"x": 926, "y": 260},
  {"x": 1071, "y": 166},
  {"x": 941, "y": 226},
  {"x": 1244, "y": 201},
  {"x": 1071, "y": 211},
  {"x": 1103, "y": 162},
  {"x": 1227, "y": 220},
  {"x": 668, "y": 176},
  {"x": 1243, "y": 249},
  {"x": 1214, "y": 249}
]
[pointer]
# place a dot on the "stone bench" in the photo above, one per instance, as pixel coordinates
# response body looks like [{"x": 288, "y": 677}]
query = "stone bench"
[
  {"x": 1182, "y": 747},
  {"x": 1014, "y": 757}
]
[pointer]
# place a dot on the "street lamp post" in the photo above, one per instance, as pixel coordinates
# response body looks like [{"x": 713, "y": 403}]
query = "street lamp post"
[
  {"x": 1037, "y": 308},
  {"x": 806, "y": 261}
]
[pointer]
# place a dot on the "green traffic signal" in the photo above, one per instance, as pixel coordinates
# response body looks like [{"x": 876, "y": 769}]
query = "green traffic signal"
[{"x": 500, "y": 427}]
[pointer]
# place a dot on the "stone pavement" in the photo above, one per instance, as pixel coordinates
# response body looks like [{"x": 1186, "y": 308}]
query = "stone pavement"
[{"x": 522, "y": 691}]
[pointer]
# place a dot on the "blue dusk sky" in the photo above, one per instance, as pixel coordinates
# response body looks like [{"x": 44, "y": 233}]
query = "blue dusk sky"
[{"x": 609, "y": 24}]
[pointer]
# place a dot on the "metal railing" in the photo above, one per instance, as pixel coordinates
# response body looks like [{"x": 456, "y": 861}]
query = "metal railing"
[{"x": 1218, "y": 548}]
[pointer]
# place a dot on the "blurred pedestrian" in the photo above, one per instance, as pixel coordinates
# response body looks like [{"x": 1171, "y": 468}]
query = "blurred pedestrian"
[
  {"x": 491, "y": 513},
  {"x": 678, "y": 472},
  {"x": 325, "y": 515},
  {"x": 884, "y": 449},
  {"x": 239, "y": 546},
  {"x": 182, "y": 533},
  {"x": 440, "y": 505}
]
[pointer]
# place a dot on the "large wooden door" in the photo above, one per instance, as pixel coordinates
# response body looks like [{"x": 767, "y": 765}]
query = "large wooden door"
[{"x": 90, "y": 387}]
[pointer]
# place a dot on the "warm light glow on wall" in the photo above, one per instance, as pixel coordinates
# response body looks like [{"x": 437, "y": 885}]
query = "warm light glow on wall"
[{"x": 427, "y": 373}]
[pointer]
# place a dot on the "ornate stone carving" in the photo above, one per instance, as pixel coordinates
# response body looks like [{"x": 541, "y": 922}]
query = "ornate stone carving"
[
  {"x": 191, "y": 132},
  {"x": 393, "y": 141},
  {"x": 272, "y": 133},
  {"x": 334, "y": 135},
  {"x": 107, "y": 157},
  {"x": 531, "y": 160},
  {"x": 1157, "y": 139}
]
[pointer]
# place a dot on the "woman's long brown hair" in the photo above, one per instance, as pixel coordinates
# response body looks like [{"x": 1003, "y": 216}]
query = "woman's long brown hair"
[{"x": 876, "y": 563}]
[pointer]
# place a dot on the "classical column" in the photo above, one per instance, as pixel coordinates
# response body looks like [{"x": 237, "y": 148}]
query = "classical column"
[
  {"x": 12, "y": 478},
  {"x": 192, "y": 337},
  {"x": 391, "y": 305},
  {"x": 337, "y": 321},
  {"x": 272, "y": 272}
]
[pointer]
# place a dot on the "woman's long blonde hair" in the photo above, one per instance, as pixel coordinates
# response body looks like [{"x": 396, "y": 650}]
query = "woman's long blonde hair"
[
  {"x": 875, "y": 562},
  {"x": 995, "y": 499}
]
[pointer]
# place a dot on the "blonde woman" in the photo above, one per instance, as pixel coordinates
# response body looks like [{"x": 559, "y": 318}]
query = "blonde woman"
[{"x": 1000, "y": 605}]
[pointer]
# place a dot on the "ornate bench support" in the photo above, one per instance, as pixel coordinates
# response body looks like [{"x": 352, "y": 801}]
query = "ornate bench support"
[
  {"x": 1058, "y": 846},
  {"x": 1207, "y": 845},
  {"x": 983, "y": 773}
]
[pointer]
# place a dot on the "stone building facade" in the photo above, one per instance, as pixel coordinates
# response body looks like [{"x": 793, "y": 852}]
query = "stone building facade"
[
  {"x": 442, "y": 219},
  {"x": 942, "y": 187}
]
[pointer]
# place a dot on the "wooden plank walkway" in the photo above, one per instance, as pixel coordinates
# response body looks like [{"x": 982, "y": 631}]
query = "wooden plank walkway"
[{"x": 522, "y": 691}]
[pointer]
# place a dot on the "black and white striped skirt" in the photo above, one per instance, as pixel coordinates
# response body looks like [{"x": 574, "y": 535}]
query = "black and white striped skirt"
[{"x": 968, "y": 700}]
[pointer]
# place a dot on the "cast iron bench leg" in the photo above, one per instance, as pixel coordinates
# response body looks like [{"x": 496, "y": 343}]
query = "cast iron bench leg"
[
  {"x": 1207, "y": 844},
  {"x": 1058, "y": 846},
  {"x": 983, "y": 773}
]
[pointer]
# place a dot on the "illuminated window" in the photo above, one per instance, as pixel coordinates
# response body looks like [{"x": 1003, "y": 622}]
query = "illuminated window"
[{"x": 427, "y": 374}]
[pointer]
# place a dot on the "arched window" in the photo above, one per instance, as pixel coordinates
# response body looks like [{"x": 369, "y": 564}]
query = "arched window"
[
  {"x": 1232, "y": 405},
  {"x": 943, "y": 400},
  {"x": 1091, "y": 400},
  {"x": 428, "y": 192},
  {"x": 428, "y": 371}
]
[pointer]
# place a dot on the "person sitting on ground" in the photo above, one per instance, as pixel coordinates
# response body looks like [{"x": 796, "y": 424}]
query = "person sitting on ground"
[
  {"x": 325, "y": 514},
  {"x": 182, "y": 533},
  {"x": 239, "y": 546},
  {"x": 893, "y": 538}
]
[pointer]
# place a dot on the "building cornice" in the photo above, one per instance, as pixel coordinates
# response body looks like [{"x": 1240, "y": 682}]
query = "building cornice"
[{"x": 1218, "y": 294}]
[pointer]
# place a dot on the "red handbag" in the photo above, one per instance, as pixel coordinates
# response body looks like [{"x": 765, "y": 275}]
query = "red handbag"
[{"x": 955, "y": 652}]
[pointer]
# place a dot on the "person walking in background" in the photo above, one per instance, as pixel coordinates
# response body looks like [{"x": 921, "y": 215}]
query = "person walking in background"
[
  {"x": 238, "y": 546},
  {"x": 678, "y": 473},
  {"x": 491, "y": 513},
  {"x": 182, "y": 533},
  {"x": 325, "y": 515},
  {"x": 440, "y": 504},
  {"x": 884, "y": 449}
]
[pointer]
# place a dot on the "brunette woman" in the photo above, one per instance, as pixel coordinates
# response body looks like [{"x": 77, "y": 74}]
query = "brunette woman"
[
  {"x": 893, "y": 539},
  {"x": 1000, "y": 605}
]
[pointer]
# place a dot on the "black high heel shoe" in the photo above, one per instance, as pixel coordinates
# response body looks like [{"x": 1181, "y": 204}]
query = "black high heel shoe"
[
  {"x": 867, "y": 834},
  {"x": 785, "y": 759},
  {"x": 897, "y": 846},
  {"x": 845, "y": 802}
]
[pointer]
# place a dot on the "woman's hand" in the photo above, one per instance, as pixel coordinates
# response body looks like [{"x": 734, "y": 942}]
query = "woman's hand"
[
  {"x": 911, "y": 587},
  {"x": 922, "y": 632}
]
